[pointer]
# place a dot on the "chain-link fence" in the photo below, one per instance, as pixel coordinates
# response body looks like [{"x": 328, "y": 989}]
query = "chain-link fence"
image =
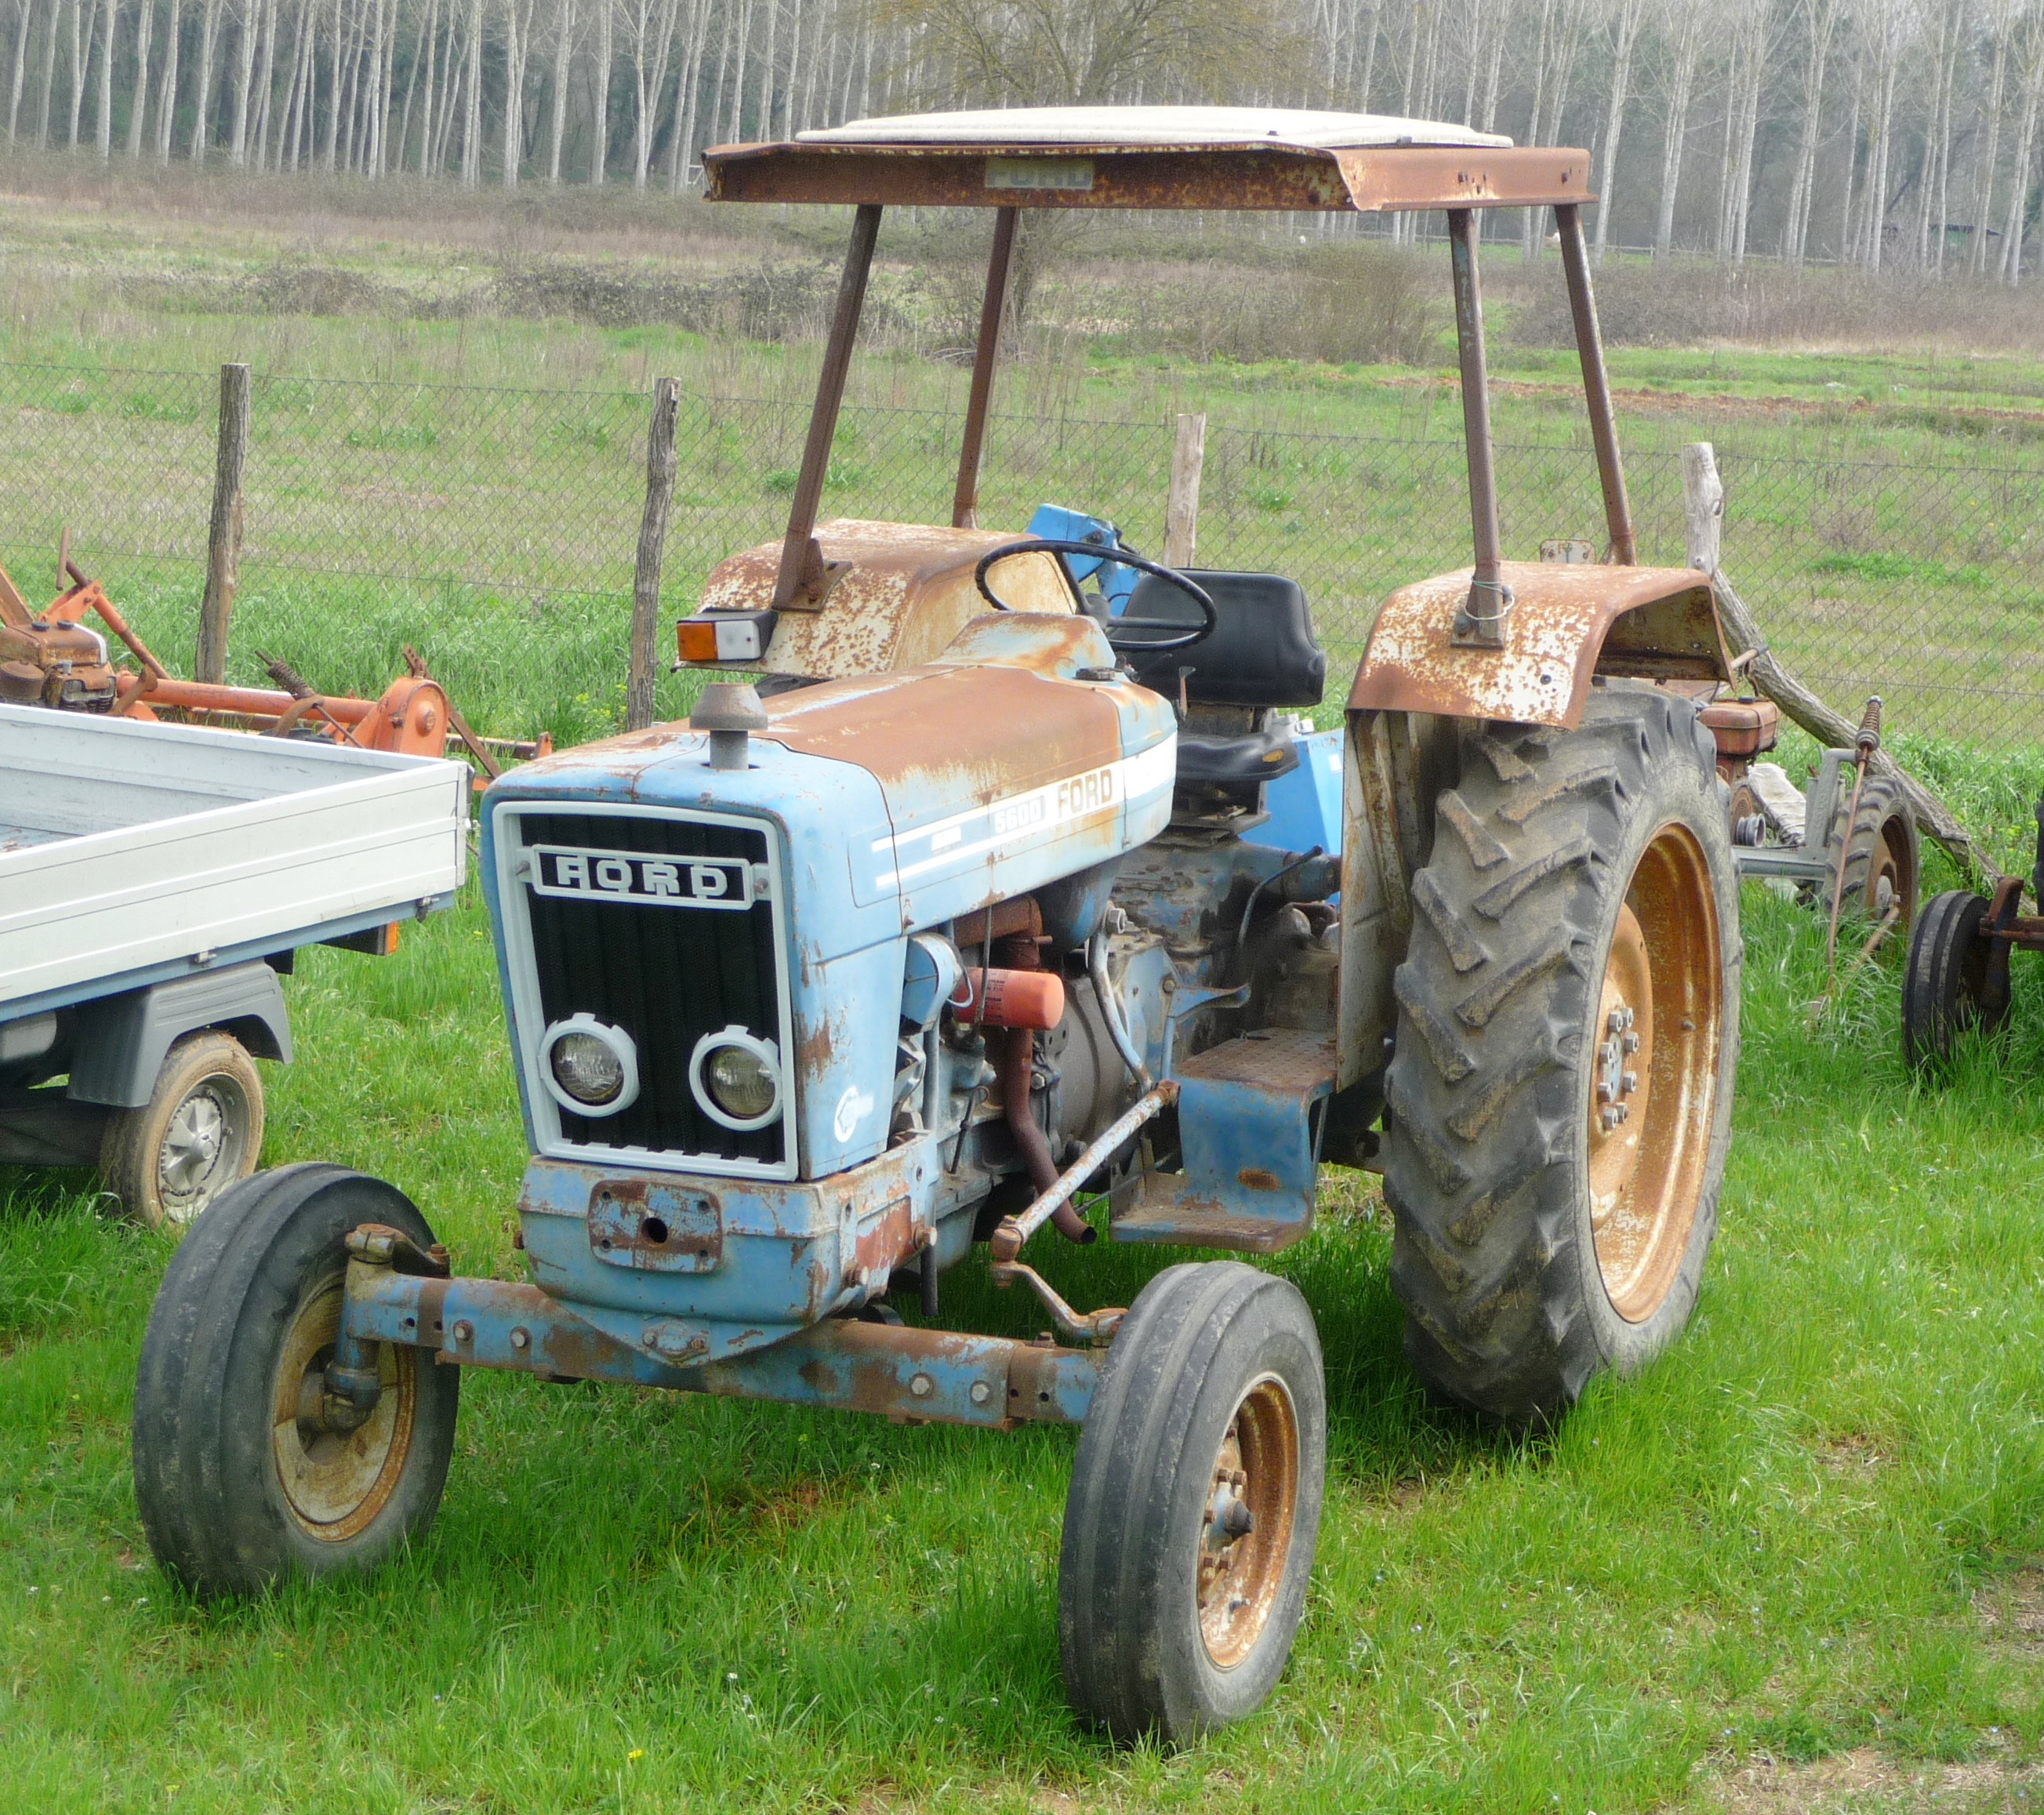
[{"x": 495, "y": 530}]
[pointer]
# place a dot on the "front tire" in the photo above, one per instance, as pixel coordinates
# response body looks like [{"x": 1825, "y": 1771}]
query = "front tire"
[
  {"x": 1883, "y": 853},
  {"x": 1560, "y": 1090},
  {"x": 1194, "y": 1506},
  {"x": 241, "y": 1479}
]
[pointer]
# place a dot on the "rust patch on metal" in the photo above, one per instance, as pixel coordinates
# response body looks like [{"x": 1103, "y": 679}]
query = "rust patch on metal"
[
  {"x": 655, "y": 1227},
  {"x": 1251, "y": 176},
  {"x": 906, "y": 592},
  {"x": 1566, "y": 622},
  {"x": 959, "y": 748},
  {"x": 1255, "y": 1178},
  {"x": 887, "y": 1241}
]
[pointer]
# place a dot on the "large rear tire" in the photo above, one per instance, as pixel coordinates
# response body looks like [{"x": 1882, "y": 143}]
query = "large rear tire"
[
  {"x": 1194, "y": 1504},
  {"x": 241, "y": 1477},
  {"x": 1560, "y": 1091}
]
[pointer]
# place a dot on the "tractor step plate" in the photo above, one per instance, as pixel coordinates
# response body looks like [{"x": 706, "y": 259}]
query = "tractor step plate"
[{"x": 1250, "y": 1141}]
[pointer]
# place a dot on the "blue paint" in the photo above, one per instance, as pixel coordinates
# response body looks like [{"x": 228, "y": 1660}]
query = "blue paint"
[
  {"x": 1305, "y": 806},
  {"x": 1055, "y": 523}
]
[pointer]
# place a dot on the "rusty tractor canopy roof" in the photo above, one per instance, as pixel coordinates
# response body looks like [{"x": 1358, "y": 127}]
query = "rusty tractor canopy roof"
[{"x": 1152, "y": 157}]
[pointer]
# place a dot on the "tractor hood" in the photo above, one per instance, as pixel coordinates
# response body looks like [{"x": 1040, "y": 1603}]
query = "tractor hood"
[{"x": 869, "y": 810}]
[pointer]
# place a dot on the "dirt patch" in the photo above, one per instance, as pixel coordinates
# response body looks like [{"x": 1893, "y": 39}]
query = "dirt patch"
[
  {"x": 2011, "y": 1609},
  {"x": 1855, "y": 1457},
  {"x": 1862, "y": 1779}
]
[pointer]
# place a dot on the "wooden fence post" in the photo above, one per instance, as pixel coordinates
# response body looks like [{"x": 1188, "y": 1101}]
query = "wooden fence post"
[
  {"x": 223, "y": 542},
  {"x": 1181, "y": 507},
  {"x": 1702, "y": 506},
  {"x": 652, "y": 551}
]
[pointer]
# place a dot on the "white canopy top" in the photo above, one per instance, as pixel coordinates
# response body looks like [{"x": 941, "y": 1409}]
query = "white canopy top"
[{"x": 1133, "y": 127}]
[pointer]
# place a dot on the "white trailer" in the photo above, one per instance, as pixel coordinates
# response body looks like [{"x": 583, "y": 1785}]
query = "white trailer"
[{"x": 154, "y": 880}]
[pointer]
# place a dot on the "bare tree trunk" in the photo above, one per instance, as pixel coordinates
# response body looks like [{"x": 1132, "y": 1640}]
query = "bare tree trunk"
[
  {"x": 167, "y": 89},
  {"x": 1687, "y": 47},
  {"x": 735, "y": 130},
  {"x": 1529, "y": 238},
  {"x": 564, "y": 32},
  {"x": 244, "y": 70},
  {"x": 1626, "y": 21},
  {"x": 471, "y": 126},
  {"x": 421, "y": 44},
  {"x": 687, "y": 85},
  {"x": 452, "y": 88},
  {"x": 50, "y": 71},
  {"x": 1850, "y": 162},
  {"x": 599, "y": 155},
  {"x": 145, "y": 20},
  {"x": 208, "y": 31},
  {"x": 2033, "y": 94},
  {"x": 1795, "y": 234},
  {"x": 21, "y": 67},
  {"x": 103, "y": 125},
  {"x": 79, "y": 50},
  {"x": 330, "y": 151}
]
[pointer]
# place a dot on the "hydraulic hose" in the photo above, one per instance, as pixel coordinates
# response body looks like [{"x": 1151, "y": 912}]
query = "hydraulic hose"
[
  {"x": 1018, "y": 1058},
  {"x": 1110, "y": 1009}
]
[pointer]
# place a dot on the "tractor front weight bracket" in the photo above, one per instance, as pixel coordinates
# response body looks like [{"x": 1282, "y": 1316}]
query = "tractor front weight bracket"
[{"x": 905, "y": 1374}]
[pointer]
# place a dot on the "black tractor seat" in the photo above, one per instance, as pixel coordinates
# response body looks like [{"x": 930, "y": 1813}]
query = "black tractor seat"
[
  {"x": 1232, "y": 760},
  {"x": 1262, "y": 656}
]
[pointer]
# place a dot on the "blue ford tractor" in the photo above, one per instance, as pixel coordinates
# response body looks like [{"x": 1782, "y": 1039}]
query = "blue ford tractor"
[{"x": 942, "y": 914}]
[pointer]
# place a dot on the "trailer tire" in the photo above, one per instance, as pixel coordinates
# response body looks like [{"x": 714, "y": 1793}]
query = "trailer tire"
[
  {"x": 1212, "y": 1397},
  {"x": 200, "y": 1132},
  {"x": 1949, "y": 983},
  {"x": 1575, "y": 938},
  {"x": 236, "y": 1492}
]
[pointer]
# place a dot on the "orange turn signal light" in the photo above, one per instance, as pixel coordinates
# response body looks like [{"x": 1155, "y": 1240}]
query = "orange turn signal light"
[{"x": 697, "y": 639}]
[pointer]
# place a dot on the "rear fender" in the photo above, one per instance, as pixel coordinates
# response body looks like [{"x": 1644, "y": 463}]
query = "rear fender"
[{"x": 1567, "y": 622}]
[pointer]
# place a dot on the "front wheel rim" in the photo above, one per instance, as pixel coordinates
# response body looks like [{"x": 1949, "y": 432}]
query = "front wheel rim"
[
  {"x": 1652, "y": 1087},
  {"x": 336, "y": 1482},
  {"x": 1245, "y": 1541}
]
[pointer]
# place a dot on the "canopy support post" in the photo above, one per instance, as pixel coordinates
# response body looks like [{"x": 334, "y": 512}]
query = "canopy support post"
[
  {"x": 964, "y": 500},
  {"x": 1480, "y": 623},
  {"x": 1596, "y": 384},
  {"x": 805, "y": 578}
]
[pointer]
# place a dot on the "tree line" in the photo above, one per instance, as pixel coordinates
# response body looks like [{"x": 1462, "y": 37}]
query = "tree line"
[{"x": 1885, "y": 133}]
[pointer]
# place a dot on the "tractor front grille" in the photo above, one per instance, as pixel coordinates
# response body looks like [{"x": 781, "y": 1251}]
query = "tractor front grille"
[{"x": 666, "y": 973}]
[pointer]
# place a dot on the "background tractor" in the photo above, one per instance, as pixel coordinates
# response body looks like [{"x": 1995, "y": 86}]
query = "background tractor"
[{"x": 944, "y": 918}]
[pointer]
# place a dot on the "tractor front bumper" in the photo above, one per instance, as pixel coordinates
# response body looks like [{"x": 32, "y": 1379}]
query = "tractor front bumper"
[{"x": 905, "y": 1374}]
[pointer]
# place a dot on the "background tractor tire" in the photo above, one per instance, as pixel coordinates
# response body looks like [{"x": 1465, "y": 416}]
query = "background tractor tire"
[
  {"x": 200, "y": 1132},
  {"x": 1560, "y": 1092},
  {"x": 1949, "y": 983},
  {"x": 1883, "y": 852},
  {"x": 239, "y": 1484},
  {"x": 1194, "y": 1506}
]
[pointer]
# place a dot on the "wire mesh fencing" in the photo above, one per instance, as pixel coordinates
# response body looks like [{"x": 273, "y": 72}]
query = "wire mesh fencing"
[{"x": 495, "y": 530}]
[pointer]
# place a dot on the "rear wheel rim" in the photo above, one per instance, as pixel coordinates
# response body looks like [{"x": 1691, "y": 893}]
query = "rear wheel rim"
[
  {"x": 1239, "y": 1573},
  {"x": 335, "y": 1482},
  {"x": 1652, "y": 1087}
]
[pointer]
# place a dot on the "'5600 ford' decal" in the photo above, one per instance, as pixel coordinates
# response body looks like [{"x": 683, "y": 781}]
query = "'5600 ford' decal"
[
  {"x": 1004, "y": 824},
  {"x": 636, "y": 876}
]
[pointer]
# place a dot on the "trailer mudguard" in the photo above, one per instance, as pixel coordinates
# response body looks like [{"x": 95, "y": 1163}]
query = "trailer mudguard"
[
  {"x": 122, "y": 1040},
  {"x": 1567, "y": 622}
]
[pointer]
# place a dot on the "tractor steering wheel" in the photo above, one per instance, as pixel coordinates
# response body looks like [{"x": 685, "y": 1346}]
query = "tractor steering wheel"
[{"x": 1180, "y": 636}]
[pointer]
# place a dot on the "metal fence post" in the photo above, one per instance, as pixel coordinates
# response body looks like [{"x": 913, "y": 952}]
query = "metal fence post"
[
  {"x": 652, "y": 550},
  {"x": 223, "y": 542},
  {"x": 1181, "y": 506}
]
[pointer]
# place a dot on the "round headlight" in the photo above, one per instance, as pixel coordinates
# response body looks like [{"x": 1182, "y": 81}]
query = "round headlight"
[
  {"x": 589, "y": 1067},
  {"x": 736, "y": 1078},
  {"x": 586, "y": 1068}
]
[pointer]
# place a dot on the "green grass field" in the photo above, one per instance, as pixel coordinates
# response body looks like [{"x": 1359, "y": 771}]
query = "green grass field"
[{"x": 1801, "y": 1549}]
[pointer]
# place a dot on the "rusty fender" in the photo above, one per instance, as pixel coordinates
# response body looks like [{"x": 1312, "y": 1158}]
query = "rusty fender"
[
  {"x": 928, "y": 1375},
  {"x": 1565, "y": 623}
]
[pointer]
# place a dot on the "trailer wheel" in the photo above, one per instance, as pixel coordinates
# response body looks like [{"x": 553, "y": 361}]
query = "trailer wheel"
[
  {"x": 1882, "y": 853},
  {"x": 1560, "y": 1091},
  {"x": 200, "y": 1132},
  {"x": 1948, "y": 984},
  {"x": 242, "y": 1477},
  {"x": 1194, "y": 1504}
]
